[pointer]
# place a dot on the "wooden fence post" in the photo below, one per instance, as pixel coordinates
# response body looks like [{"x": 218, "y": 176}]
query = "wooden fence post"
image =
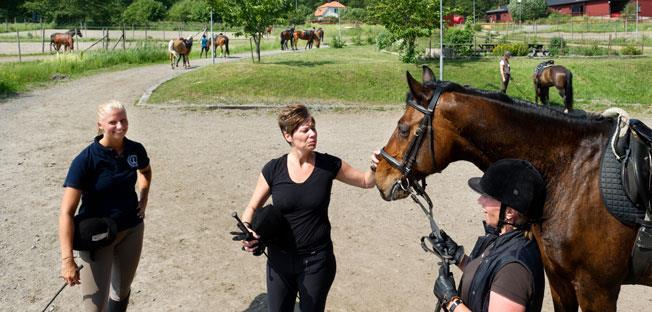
[
  {"x": 124, "y": 38},
  {"x": 107, "y": 38},
  {"x": 609, "y": 46},
  {"x": 42, "y": 36},
  {"x": 20, "y": 59}
]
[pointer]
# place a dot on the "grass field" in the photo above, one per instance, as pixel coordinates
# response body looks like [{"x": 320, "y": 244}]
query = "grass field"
[{"x": 361, "y": 76}]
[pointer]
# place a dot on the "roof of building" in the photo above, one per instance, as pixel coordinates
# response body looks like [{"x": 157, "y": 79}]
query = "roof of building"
[
  {"x": 502, "y": 9},
  {"x": 562, "y": 2},
  {"x": 332, "y": 4}
]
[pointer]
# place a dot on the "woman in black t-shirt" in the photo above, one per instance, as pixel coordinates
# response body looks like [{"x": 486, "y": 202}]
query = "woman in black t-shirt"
[
  {"x": 504, "y": 271},
  {"x": 300, "y": 186}
]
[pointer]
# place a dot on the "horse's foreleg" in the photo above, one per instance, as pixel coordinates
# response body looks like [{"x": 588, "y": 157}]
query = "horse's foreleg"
[{"x": 594, "y": 297}]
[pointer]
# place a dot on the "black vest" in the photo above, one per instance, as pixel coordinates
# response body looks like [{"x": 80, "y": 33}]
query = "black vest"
[{"x": 508, "y": 248}]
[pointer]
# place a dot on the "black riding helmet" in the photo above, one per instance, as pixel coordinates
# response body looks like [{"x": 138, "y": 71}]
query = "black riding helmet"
[{"x": 515, "y": 183}]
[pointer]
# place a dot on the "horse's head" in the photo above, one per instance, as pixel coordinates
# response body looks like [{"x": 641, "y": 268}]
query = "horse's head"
[
  {"x": 78, "y": 32},
  {"x": 421, "y": 143}
]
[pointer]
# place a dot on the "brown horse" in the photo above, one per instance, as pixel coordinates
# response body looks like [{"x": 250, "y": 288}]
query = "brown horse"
[
  {"x": 221, "y": 41},
  {"x": 308, "y": 35},
  {"x": 287, "y": 36},
  {"x": 320, "y": 33},
  {"x": 585, "y": 250},
  {"x": 559, "y": 77},
  {"x": 65, "y": 39},
  {"x": 268, "y": 31},
  {"x": 178, "y": 48}
]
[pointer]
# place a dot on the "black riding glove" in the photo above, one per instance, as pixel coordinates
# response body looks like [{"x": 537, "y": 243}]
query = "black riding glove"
[
  {"x": 445, "y": 286},
  {"x": 246, "y": 235},
  {"x": 447, "y": 246}
]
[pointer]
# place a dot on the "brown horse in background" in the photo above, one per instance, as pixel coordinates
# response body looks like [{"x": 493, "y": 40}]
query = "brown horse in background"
[
  {"x": 65, "y": 39},
  {"x": 179, "y": 48},
  {"x": 268, "y": 30},
  {"x": 585, "y": 250},
  {"x": 308, "y": 35},
  {"x": 320, "y": 33},
  {"x": 221, "y": 41},
  {"x": 287, "y": 36},
  {"x": 559, "y": 77}
]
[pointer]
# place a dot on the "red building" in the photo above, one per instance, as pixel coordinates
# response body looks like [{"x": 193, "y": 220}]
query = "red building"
[
  {"x": 579, "y": 8},
  {"x": 499, "y": 15}
]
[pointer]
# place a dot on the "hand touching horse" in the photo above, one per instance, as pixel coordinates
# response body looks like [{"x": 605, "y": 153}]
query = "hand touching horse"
[
  {"x": 559, "y": 77},
  {"x": 65, "y": 39},
  {"x": 585, "y": 249},
  {"x": 180, "y": 48}
]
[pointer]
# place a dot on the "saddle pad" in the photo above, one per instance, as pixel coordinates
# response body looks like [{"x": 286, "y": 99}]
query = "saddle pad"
[{"x": 613, "y": 194}]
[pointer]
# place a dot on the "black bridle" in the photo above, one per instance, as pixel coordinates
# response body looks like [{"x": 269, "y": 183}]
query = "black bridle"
[{"x": 410, "y": 156}]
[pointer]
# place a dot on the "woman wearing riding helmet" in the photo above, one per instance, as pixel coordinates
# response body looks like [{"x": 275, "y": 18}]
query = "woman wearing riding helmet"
[{"x": 504, "y": 271}]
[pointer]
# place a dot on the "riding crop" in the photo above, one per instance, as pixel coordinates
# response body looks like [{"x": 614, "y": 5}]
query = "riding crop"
[{"x": 60, "y": 290}]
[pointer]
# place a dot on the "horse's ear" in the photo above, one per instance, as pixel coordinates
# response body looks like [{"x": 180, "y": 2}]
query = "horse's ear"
[
  {"x": 428, "y": 75},
  {"x": 415, "y": 87}
]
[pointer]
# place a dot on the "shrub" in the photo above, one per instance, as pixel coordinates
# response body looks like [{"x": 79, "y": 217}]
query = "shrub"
[
  {"x": 337, "y": 43},
  {"x": 384, "y": 40},
  {"x": 461, "y": 40},
  {"x": 371, "y": 39},
  {"x": 630, "y": 49},
  {"x": 517, "y": 49},
  {"x": 592, "y": 50},
  {"x": 558, "y": 43}
]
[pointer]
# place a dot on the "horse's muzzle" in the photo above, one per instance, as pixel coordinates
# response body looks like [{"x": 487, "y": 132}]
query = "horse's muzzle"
[{"x": 399, "y": 190}]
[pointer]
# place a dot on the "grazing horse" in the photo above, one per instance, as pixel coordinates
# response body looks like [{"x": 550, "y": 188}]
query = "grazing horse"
[
  {"x": 559, "y": 77},
  {"x": 320, "y": 33},
  {"x": 585, "y": 250},
  {"x": 308, "y": 35},
  {"x": 178, "y": 48},
  {"x": 222, "y": 41},
  {"x": 65, "y": 39},
  {"x": 287, "y": 36}
]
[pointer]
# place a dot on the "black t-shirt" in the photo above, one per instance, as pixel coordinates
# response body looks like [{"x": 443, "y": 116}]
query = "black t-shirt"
[
  {"x": 107, "y": 181},
  {"x": 304, "y": 205}
]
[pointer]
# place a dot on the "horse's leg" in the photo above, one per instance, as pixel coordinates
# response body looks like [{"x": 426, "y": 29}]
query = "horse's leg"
[
  {"x": 563, "y": 294},
  {"x": 545, "y": 95},
  {"x": 594, "y": 297}
]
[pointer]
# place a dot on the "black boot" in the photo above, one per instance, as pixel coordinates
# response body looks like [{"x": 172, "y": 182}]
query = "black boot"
[{"x": 118, "y": 306}]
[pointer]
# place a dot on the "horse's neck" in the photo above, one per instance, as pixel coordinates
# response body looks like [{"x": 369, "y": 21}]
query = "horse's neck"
[{"x": 492, "y": 132}]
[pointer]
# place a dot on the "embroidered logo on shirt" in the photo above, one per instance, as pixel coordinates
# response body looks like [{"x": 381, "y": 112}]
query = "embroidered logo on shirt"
[{"x": 132, "y": 160}]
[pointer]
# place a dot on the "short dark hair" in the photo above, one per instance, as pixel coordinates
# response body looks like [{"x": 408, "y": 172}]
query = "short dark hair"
[{"x": 292, "y": 116}]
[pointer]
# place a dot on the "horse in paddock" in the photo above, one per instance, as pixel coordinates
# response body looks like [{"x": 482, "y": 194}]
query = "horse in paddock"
[
  {"x": 585, "y": 248},
  {"x": 553, "y": 76},
  {"x": 320, "y": 33},
  {"x": 268, "y": 30},
  {"x": 64, "y": 39},
  {"x": 308, "y": 35},
  {"x": 179, "y": 48},
  {"x": 221, "y": 41},
  {"x": 287, "y": 36}
]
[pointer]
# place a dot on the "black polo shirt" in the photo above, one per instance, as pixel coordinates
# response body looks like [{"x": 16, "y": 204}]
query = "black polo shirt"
[{"x": 107, "y": 181}]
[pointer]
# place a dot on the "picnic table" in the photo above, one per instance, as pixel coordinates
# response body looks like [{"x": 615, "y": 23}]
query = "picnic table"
[
  {"x": 487, "y": 47},
  {"x": 535, "y": 49}
]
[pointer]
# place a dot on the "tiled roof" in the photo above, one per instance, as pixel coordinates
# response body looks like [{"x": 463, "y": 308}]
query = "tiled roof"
[{"x": 332, "y": 4}]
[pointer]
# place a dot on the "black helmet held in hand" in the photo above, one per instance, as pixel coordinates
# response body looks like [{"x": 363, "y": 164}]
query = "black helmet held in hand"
[{"x": 515, "y": 183}]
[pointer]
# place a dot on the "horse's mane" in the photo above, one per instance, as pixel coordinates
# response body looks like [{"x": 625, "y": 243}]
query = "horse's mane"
[{"x": 575, "y": 117}]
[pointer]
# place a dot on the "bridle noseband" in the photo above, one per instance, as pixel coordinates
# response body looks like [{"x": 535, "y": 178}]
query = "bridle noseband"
[{"x": 410, "y": 156}]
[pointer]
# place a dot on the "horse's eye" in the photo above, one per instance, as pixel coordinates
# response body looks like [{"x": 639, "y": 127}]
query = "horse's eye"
[{"x": 403, "y": 130}]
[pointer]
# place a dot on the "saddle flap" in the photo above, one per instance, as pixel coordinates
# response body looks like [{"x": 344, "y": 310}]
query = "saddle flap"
[
  {"x": 641, "y": 130},
  {"x": 636, "y": 177}
]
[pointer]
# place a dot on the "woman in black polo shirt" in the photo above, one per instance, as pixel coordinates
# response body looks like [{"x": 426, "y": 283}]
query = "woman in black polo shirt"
[
  {"x": 299, "y": 183},
  {"x": 103, "y": 176},
  {"x": 504, "y": 271}
]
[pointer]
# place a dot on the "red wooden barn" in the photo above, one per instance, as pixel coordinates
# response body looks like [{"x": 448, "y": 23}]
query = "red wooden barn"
[{"x": 579, "y": 8}]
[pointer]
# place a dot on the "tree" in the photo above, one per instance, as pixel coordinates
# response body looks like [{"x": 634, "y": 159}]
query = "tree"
[
  {"x": 190, "y": 11},
  {"x": 254, "y": 16},
  {"x": 144, "y": 11},
  {"x": 407, "y": 20},
  {"x": 527, "y": 9}
]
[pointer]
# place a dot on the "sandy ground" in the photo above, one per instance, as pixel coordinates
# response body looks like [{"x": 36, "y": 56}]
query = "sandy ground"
[{"x": 205, "y": 165}]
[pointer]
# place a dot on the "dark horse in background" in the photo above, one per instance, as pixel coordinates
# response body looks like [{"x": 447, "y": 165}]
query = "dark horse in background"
[
  {"x": 585, "y": 250},
  {"x": 320, "y": 33},
  {"x": 221, "y": 41},
  {"x": 64, "y": 39},
  {"x": 553, "y": 76},
  {"x": 287, "y": 36},
  {"x": 179, "y": 48},
  {"x": 308, "y": 35}
]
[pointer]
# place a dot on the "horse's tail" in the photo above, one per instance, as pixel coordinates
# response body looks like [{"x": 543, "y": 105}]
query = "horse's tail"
[
  {"x": 170, "y": 46},
  {"x": 569, "y": 91}
]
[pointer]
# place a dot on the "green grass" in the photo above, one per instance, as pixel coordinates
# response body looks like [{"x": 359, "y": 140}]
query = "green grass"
[
  {"x": 19, "y": 77},
  {"x": 358, "y": 76}
]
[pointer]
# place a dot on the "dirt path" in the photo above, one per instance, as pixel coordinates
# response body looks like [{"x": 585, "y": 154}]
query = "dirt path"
[{"x": 205, "y": 165}]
